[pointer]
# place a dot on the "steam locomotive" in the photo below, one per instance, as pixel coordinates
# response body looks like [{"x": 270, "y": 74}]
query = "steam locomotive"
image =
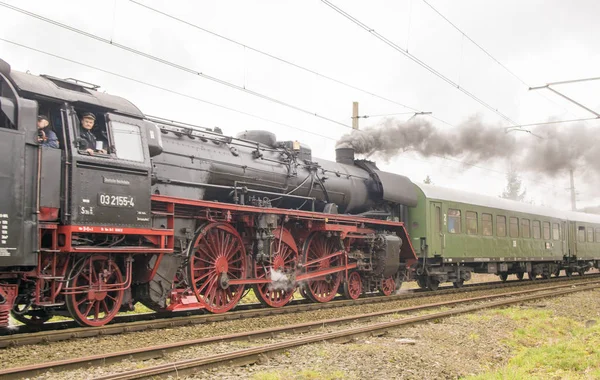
[{"x": 179, "y": 217}]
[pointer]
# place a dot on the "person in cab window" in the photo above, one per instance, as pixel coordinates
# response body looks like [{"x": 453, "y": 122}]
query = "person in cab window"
[
  {"x": 46, "y": 136},
  {"x": 87, "y": 140}
]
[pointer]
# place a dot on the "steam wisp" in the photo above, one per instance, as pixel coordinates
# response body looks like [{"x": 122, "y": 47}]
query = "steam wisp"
[{"x": 558, "y": 148}]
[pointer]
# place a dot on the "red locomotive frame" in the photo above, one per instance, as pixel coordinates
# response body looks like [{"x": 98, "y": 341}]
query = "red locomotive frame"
[{"x": 311, "y": 248}]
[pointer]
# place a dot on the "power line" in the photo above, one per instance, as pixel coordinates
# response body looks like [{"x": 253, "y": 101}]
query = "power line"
[
  {"x": 572, "y": 81},
  {"x": 417, "y": 60},
  {"x": 497, "y": 61},
  {"x": 169, "y": 63},
  {"x": 556, "y": 122},
  {"x": 272, "y": 56},
  {"x": 476, "y": 44},
  {"x": 390, "y": 114},
  {"x": 219, "y": 105},
  {"x": 233, "y": 109},
  {"x": 164, "y": 89},
  {"x": 282, "y": 60}
]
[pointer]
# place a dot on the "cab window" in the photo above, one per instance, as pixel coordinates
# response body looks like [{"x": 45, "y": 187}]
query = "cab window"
[
  {"x": 514, "y": 227},
  {"x": 501, "y": 225},
  {"x": 486, "y": 224},
  {"x": 471, "y": 223},
  {"x": 100, "y": 140},
  {"x": 7, "y": 106},
  {"x": 454, "y": 225},
  {"x": 128, "y": 141}
]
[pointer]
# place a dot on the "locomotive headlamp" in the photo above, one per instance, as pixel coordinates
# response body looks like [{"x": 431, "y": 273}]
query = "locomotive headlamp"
[{"x": 296, "y": 145}]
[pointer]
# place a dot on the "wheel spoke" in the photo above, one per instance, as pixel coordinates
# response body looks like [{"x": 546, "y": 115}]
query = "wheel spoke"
[
  {"x": 86, "y": 313},
  {"x": 105, "y": 303}
]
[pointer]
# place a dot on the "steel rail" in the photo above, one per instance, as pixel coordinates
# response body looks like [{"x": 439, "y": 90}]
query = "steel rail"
[
  {"x": 177, "y": 319},
  {"x": 251, "y": 355},
  {"x": 146, "y": 353}
]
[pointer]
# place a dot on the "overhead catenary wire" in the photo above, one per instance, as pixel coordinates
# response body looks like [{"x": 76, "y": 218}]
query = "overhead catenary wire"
[
  {"x": 556, "y": 122},
  {"x": 465, "y": 35},
  {"x": 165, "y": 89},
  {"x": 171, "y": 64},
  {"x": 298, "y": 66},
  {"x": 272, "y": 56},
  {"x": 415, "y": 59},
  {"x": 388, "y": 114},
  {"x": 285, "y": 61},
  {"x": 226, "y": 107},
  {"x": 236, "y": 110},
  {"x": 486, "y": 52}
]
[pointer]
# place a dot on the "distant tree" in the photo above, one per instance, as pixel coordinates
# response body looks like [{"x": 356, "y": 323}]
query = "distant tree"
[
  {"x": 513, "y": 187},
  {"x": 428, "y": 180}
]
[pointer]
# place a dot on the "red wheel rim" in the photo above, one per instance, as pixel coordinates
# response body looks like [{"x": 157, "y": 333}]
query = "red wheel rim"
[
  {"x": 318, "y": 246},
  {"x": 388, "y": 286},
  {"x": 216, "y": 257},
  {"x": 283, "y": 261},
  {"x": 97, "y": 306},
  {"x": 354, "y": 285}
]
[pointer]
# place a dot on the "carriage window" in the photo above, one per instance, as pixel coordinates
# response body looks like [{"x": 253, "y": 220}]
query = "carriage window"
[
  {"x": 537, "y": 229},
  {"x": 514, "y": 227},
  {"x": 128, "y": 141},
  {"x": 546, "y": 230},
  {"x": 581, "y": 234},
  {"x": 525, "y": 228},
  {"x": 501, "y": 225},
  {"x": 555, "y": 231},
  {"x": 590, "y": 234},
  {"x": 454, "y": 226},
  {"x": 486, "y": 224},
  {"x": 471, "y": 223},
  {"x": 597, "y": 235}
]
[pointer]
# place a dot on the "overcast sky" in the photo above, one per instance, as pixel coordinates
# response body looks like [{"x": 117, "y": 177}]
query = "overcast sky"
[{"x": 539, "y": 41}]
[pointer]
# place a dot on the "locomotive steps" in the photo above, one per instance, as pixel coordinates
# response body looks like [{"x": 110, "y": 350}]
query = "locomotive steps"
[{"x": 254, "y": 354}]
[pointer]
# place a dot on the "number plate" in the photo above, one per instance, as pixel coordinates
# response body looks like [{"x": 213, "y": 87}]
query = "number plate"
[{"x": 108, "y": 200}]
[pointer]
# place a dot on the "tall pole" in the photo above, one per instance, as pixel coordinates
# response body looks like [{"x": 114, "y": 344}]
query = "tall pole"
[
  {"x": 573, "y": 196},
  {"x": 354, "y": 115}
]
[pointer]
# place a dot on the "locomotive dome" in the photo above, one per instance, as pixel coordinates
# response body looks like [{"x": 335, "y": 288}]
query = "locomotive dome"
[{"x": 260, "y": 136}]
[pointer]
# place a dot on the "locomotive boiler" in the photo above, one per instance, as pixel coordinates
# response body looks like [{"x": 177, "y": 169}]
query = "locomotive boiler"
[{"x": 179, "y": 217}]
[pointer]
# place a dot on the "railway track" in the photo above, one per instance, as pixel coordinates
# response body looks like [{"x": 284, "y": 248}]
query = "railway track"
[
  {"x": 148, "y": 321},
  {"x": 246, "y": 356}
]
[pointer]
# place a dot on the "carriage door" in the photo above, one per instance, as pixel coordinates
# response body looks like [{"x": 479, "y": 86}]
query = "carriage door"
[
  {"x": 18, "y": 170},
  {"x": 436, "y": 246},
  {"x": 564, "y": 232}
]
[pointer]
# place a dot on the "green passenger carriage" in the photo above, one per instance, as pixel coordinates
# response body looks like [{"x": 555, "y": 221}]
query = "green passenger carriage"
[{"x": 458, "y": 233}]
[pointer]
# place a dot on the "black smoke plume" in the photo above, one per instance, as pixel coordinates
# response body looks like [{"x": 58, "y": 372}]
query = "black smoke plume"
[{"x": 553, "y": 149}]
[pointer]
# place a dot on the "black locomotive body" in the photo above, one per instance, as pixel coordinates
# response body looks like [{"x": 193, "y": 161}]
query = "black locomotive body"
[{"x": 178, "y": 217}]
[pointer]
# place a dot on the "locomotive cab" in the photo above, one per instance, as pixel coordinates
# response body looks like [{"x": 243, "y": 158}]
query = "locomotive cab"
[{"x": 58, "y": 188}]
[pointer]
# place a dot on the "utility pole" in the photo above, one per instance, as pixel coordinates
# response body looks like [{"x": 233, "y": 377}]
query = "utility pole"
[
  {"x": 354, "y": 115},
  {"x": 573, "y": 194}
]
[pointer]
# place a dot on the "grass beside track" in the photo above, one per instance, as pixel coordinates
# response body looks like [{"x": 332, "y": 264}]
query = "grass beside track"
[{"x": 548, "y": 346}]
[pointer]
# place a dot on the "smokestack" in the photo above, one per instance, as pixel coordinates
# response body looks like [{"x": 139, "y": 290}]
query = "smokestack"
[{"x": 344, "y": 156}]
